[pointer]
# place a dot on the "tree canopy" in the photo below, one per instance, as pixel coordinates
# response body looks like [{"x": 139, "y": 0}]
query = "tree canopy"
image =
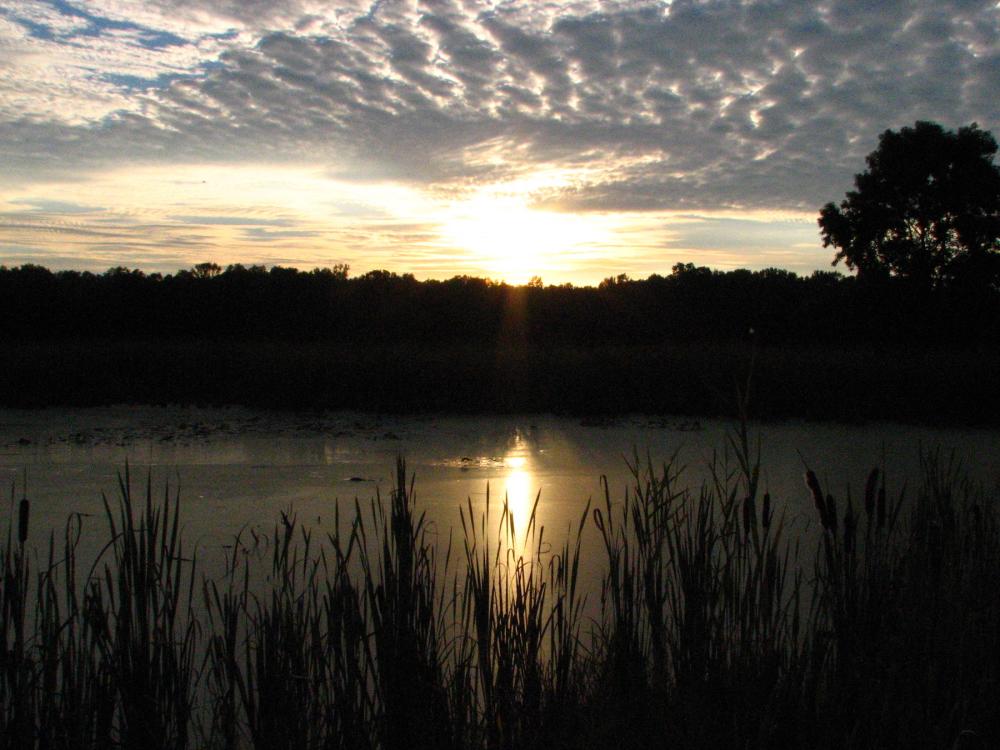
[
  {"x": 327, "y": 305},
  {"x": 927, "y": 209}
]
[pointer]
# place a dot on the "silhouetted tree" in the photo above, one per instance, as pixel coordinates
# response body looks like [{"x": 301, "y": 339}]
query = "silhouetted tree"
[
  {"x": 927, "y": 209},
  {"x": 692, "y": 303},
  {"x": 339, "y": 272},
  {"x": 614, "y": 281},
  {"x": 206, "y": 270}
]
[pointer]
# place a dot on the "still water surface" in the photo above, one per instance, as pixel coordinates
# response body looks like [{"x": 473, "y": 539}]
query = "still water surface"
[{"x": 237, "y": 468}]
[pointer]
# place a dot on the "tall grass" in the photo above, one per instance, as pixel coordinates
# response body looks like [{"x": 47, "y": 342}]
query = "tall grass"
[{"x": 717, "y": 626}]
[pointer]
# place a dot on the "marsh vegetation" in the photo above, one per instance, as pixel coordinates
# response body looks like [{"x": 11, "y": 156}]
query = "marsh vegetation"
[{"x": 717, "y": 625}]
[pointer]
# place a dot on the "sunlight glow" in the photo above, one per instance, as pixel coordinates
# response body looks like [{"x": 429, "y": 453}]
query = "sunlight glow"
[
  {"x": 519, "y": 499},
  {"x": 514, "y": 241},
  {"x": 162, "y": 218},
  {"x": 518, "y": 488}
]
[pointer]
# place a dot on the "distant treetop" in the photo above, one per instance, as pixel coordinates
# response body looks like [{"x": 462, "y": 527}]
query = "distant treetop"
[{"x": 926, "y": 209}]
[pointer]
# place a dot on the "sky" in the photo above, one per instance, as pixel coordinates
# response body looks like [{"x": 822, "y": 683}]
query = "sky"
[{"x": 568, "y": 140}]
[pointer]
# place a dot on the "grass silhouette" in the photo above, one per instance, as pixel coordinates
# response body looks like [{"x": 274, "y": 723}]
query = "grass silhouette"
[{"x": 717, "y": 627}]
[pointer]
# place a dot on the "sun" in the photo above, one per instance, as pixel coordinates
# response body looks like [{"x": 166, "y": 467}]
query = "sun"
[{"x": 508, "y": 238}]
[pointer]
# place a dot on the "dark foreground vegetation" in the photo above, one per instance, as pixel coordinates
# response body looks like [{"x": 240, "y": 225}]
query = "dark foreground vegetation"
[
  {"x": 714, "y": 630},
  {"x": 826, "y": 346}
]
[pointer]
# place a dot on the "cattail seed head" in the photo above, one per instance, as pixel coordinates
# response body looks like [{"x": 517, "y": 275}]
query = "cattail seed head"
[
  {"x": 813, "y": 484},
  {"x": 765, "y": 513},
  {"x": 22, "y": 520},
  {"x": 880, "y": 510},
  {"x": 831, "y": 513}
]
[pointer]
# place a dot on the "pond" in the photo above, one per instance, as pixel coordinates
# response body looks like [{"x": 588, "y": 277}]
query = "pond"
[{"x": 237, "y": 469}]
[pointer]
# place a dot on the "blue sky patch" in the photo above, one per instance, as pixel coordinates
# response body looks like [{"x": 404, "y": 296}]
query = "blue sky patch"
[
  {"x": 160, "y": 39},
  {"x": 97, "y": 25},
  {"x": 35, "y": 30}
]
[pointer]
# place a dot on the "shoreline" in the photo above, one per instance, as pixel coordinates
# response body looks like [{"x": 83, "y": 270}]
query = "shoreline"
[{"x": 926, "y": 387}]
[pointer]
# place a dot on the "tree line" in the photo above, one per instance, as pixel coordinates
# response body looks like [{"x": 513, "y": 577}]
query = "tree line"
[
  {"x": 691, "y": 303},
  {"x": 921, "y": 231}
]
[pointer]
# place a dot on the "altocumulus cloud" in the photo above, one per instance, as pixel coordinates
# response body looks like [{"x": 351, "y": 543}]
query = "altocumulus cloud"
[{"x": 650, "y": 107}]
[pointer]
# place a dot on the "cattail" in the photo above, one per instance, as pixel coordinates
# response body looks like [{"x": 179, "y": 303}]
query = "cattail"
[
  {"x": 765, "y": 513},
  {"x": 831, "y": 512},
  {"x": 813, "y": 484},
  {"x": 870, "y": 491},
  {"x": 22, "y": 520}
]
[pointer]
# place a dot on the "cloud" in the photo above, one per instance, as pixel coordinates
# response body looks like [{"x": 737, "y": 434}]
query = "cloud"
[
  {"x": 722, "y": 97},
  {"x": 688, "y": 105},
  {"x": 268, "y": 235},
  {"x": 42, "y": 205},
  {"x": 232, "y": 221}
]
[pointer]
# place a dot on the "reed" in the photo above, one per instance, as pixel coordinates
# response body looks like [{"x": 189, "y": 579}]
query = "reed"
[
  {"x": 907, "y": 621},
  {"x": 701, "y": 614},
  {"x": 520, "y": 630},
  {"x": 716, "y": 626},
  {"x": 16, "y": 686}
]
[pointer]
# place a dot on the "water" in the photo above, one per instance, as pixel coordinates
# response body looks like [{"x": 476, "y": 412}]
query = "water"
[{"x": 238, "y": 469}]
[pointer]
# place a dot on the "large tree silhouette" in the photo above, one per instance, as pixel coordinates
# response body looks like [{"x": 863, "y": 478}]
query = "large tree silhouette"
[{"x": 927, "y": 209}]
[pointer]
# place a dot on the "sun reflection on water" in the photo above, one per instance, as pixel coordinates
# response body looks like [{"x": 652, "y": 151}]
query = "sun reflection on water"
[{"x": 520, "y": 489}]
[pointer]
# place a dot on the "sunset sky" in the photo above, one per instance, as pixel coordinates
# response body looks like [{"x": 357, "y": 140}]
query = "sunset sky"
[{"x": 570, "y": 140}]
